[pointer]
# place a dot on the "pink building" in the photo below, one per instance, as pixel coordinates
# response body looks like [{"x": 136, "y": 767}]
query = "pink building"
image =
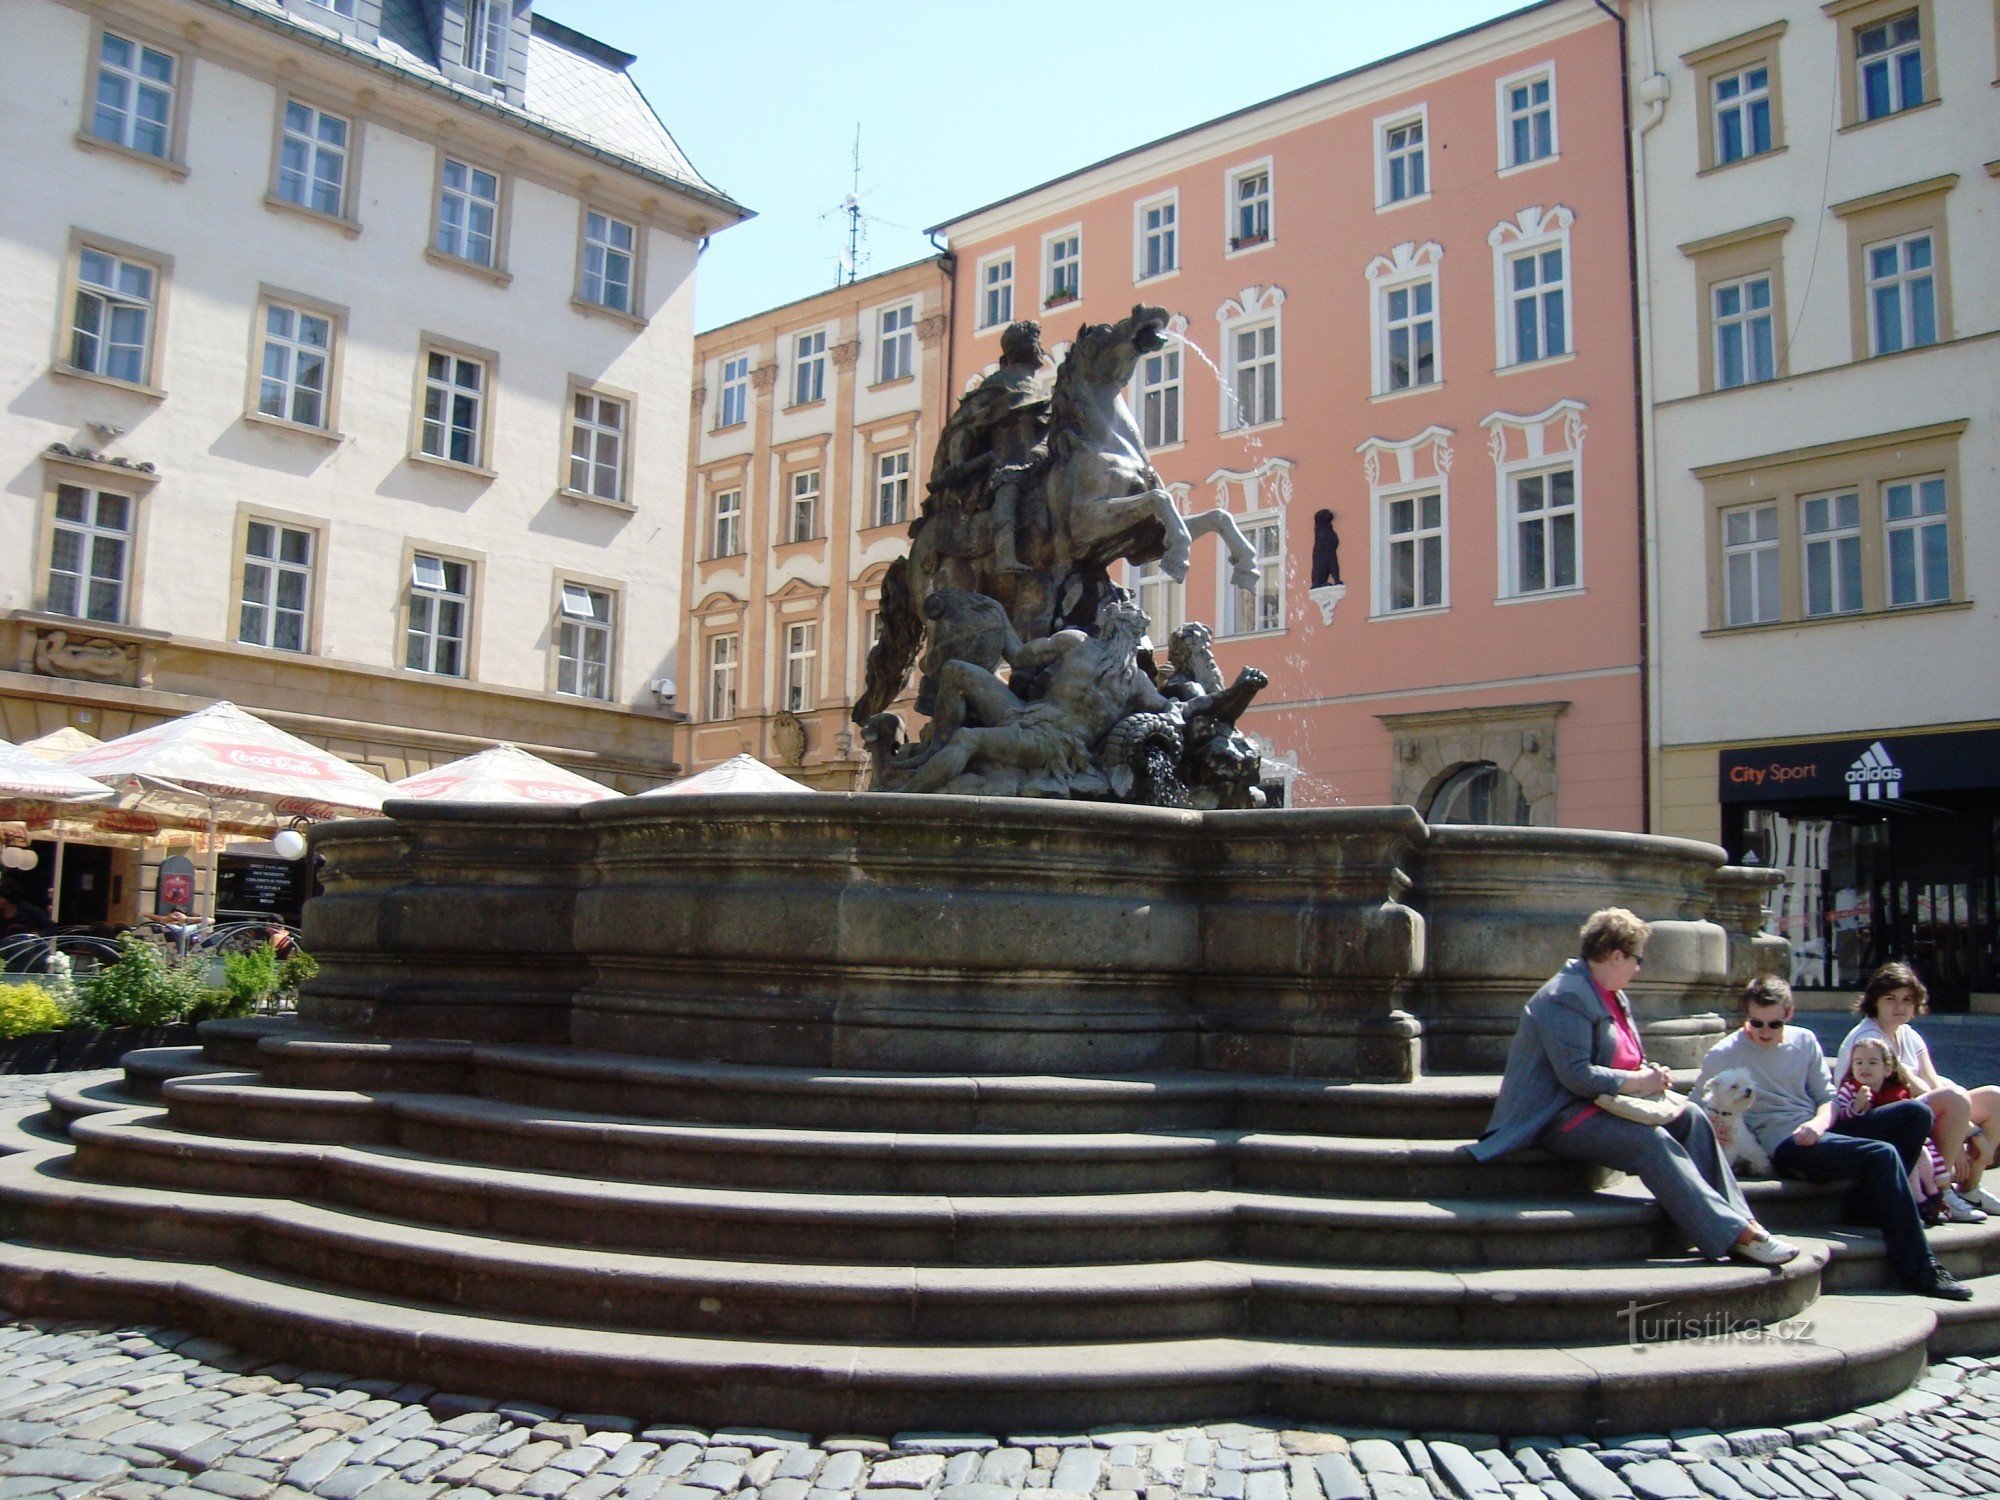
[{"x": 1415, "y": 279}]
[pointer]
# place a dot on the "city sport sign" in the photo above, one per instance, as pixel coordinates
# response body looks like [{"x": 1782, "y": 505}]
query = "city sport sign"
[{"x": 1877, "y": 769}]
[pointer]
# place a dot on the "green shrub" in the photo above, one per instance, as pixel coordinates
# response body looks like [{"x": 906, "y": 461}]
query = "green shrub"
[
  {"x": 26, "y": 1009},
  {"x": 250, "y": 978},
  {"x": 293, "y": 972},
  {"x": 143, "y": 988}
]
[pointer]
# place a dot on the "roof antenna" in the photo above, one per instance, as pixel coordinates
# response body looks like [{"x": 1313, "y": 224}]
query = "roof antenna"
[{"x": 847, "y": 269}]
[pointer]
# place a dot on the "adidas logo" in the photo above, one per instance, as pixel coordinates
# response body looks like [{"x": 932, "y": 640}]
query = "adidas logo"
[{"x": 1874, "y": 776}]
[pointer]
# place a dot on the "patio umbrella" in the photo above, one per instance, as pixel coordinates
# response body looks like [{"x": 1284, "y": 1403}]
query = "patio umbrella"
[
  {"x": 60, "y": 744},
  {"x": 27, "y": 778},
  {"x": 506, "y": 773},
  {"x": 740, "y": 773}
]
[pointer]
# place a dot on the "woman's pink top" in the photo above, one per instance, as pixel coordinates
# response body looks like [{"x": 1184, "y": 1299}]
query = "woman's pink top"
[{"x": 1626, "y": 1055}]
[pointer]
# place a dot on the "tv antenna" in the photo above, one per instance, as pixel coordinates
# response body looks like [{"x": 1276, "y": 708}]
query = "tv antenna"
[{"x": 847, "y": 268}]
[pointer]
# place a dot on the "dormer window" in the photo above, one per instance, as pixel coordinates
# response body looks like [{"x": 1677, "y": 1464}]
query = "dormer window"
[{"x": 486, "y": 26}]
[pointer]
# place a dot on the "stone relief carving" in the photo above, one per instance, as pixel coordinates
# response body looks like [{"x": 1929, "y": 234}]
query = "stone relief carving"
[
  {"x": 788, "y": 737},
  {"x": 845, "y": 355},
  {"x": 930, "y": 331},
  {"x": 92, "y": 659},
  {"x": 764, "y": 379}
]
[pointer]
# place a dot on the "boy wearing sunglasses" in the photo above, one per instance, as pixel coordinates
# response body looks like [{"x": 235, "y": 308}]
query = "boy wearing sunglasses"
[{"x": 1792, "y": 1119}]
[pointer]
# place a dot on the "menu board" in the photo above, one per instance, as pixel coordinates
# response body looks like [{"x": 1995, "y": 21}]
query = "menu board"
[{"x": 272, "y": 885}]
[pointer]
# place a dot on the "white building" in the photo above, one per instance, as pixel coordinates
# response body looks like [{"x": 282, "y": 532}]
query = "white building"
[
  {"x": 1819, "y": 233},
  {"x": 344, "y": 367}
]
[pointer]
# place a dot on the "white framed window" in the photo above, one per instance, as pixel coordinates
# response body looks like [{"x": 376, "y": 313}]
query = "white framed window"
[
  {"x": 1411, "y": 565},
  {"x": 1249, "y": 206},
  {"x": 276, "y": 607},
  {"x": 1408, "y": 317},
  {"x": 996, "y": 290},
  {"x": 112, "y": 325},
  {"x": 134, "y": 105},
  {"x": 1743, "y": 334},
  {"x": 583, "y": 642},
  {"x": 1740, "y": 113},
  {"x": 1902, "y": 294},
  {"x": 440, "y": 609},
  {"x": 892, "y": 488},
  {"x": 1890, "y": 58},
  {"x": 338, "y": 7},
  {"x": 726, "y": 529},
  {"x": 90, "y": 554},
  {"x": 1158, "y": 251},
  {"x": 1538, "y": 304},
  {"x": 312, "y": 159},
  {"x": 454, "y": 407},
  {"x": 1750, "y": 565},
  {"x": 801, "y": 664},
  {"x": 1542, "y": 531},
  {"x": 1917, "y": 527},
  {"x": 1830, "y": 537},
  {"x": 297, "y": 365},
  {"x": 486, "y": 25},
  {"x": 597, "y": 427},
  {"x": 723, "y": 653},
  {"x": 1163, "y": 599},
  {"x": 809, "y": 367},
  {"x": 1402, "y": 158},
  {"x": 734, "y": 406},
  {"x": 803, "y": 517},
  {"x": 1253, "y": 373},
  {"x": 1261, "y": 608},
  {"x": 1062, "y": 262},
  {"x": 1160, "y": 397},
  {"x": 608, "y": 246},
  {"x": 896, "y": 343},
  {"x": 468, "y": 217},
  {"x": 1527, "y": 117}
]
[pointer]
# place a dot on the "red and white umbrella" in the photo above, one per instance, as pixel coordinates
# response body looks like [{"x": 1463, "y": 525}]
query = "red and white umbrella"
[
  {"x": 739, "y": 774},
  {"x": 26, "y": 775},
  {"x": 504, "y": 774}
]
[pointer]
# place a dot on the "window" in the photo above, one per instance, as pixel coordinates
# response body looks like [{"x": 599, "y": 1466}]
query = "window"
[
  {"x": 583, "y": 642},
  {"x": 277, "y": 586},
  {"x": 1065, "y": 267},
  {"x": 338, "y": 7},
  {"x": 454, "y": 407},
  {"x": 1409, "y": 336},
  {"x": 607, "y": 261},
  {"x": 1918, "y": 537},
  {"x": 809, "y": 368},
  {"x": 90, "y": 554},
  {"x": 1163, "y": 600},
  {"x": 486, "y": 24},
  {"x": 1831, "y": 533},
  {"x": 1480, "y": 793},
  {"x": 440, "y": 603},
  {"x": 1403, "y": 164},
  {"x": 1160, "y": 398},
  {"x": 1741, "y": 102},
  {"x": 597, "y": 446},
  {"x": 896, "y": 344},
  {"x": 112, "y": 329},
  {"x": 1750, "y": 564},
  {"x": 1413, "y": 534},
  {"x": 727, "y": 533},
  {"x": 996, "y": 291},
  {"x": 805, "y": 507},
  {"x": 134, "y": 105},
  {"x": 892, "y": 488},
  {"x": 1253, "y": 358},
  {"x": 1743, "y": 336},
  {"x": 722, "y": 659},
  {"x": 1543, "y": 531},
  {"x": 1263, "y": 607},
  {"x": 312, "y": 159},
  {"x": 298, "y": 350},
  {"x": 1902, "y": 295},
  {"x": 1889, "y": 59},
  {"x": 468, "y": 213},
  {"x": 1159, "y": 238},
  {"x": 1527, "y": 119},
  {"x": 1249, "y": 207},
  {"x": 1538, "y": 303},
  {"x": 801, "y": 653},
  {"x": 735, "y": 405}
]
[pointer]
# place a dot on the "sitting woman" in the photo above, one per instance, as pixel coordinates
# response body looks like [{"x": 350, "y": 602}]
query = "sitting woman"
[
  {"x": 1968, "y": 1120},
  {"x": 1577, "y": 1041},
  {"x": 1874, "y": 1077}
]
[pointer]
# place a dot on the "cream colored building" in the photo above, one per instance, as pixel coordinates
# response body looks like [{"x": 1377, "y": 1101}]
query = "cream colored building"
[
  {"x": 813, "y": 430},
  {"x": 1819, "y": 241},
  {"x": 343, "y": 373}
]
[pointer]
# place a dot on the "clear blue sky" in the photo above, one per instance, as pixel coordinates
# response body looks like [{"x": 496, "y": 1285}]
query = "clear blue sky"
[{"x": 958, "y": 102}]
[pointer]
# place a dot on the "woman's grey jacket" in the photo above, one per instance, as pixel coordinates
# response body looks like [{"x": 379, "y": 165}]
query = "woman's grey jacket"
[{"x": 1559, "y": 1055}]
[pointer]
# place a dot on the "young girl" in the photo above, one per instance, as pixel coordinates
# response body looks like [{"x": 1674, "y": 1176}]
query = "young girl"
[{"x": 1875, "y": 1076}]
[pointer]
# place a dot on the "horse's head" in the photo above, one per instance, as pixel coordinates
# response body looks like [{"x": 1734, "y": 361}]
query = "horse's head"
[{"x": 1106, "y": 353}]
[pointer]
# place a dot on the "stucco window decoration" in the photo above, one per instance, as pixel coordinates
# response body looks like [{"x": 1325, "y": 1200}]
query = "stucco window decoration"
[
  {"x": 1531, "y": 277},
  {"x": 1260, "y": 498},
  {"x": 1252, "y": 394},
  {"x": 1409, "y": 485},
  {"x": 1403, "y": 316},
  {"x": 1477, "y": 764},
  {"x": 1538, "y": 474}
]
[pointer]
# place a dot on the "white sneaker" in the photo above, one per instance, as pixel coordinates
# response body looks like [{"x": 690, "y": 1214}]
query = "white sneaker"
[
  {"x": 1958, "y": 1210},
  {"x": 1769, "y": 1251},
  {"x": 1980, "y": 1198}
]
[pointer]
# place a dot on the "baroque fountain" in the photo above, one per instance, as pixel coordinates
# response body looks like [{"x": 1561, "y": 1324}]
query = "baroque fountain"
[{"x": 1055, "y": 1082}]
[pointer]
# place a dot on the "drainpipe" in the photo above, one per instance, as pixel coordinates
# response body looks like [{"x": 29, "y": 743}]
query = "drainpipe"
[{"x": 948, "y": 265}]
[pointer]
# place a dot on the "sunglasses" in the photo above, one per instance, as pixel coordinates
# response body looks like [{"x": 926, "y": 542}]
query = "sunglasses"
[{"x": 1764, "y": 1025}]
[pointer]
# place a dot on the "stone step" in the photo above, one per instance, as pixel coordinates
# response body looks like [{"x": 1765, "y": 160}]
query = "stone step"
[
  {"x": 1859, "y": 1261},
  {"x": 972, "y": 1162},
  {"x": 1841, "y": 1356},
  {"x": 147, "y": 1068}
]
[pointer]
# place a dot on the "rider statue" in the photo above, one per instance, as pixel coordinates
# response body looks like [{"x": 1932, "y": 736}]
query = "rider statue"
[{"x": 995, "y": 442}]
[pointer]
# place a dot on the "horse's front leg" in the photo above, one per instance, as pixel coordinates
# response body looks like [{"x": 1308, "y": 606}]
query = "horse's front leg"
[
  {"x": 1243, "y": 571},
  {"x": 1180, "y": 541}
]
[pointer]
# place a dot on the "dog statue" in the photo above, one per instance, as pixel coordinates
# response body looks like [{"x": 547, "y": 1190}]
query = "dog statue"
[{"x": 1724, "y": 1098}]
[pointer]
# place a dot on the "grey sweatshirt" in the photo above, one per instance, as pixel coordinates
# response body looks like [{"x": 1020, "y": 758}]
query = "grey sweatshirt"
[{"x": 1790, "y": 1078}]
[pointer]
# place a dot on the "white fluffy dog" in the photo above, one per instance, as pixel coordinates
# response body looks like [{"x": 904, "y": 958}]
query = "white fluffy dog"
[{"x": 1723, "y": 1099}]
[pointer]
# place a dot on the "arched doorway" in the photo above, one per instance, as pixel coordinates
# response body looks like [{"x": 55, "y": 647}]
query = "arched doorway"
[{"x": 1478, "y": 792}]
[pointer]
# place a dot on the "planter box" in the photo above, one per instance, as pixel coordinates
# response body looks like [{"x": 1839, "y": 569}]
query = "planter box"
[{"x": 77, "y": 1049}]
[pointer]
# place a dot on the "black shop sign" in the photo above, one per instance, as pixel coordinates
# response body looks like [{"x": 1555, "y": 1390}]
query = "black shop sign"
[{"x": 1874, "y": 769}]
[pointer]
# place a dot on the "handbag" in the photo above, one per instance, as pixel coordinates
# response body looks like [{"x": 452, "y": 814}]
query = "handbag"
[{"x": 1658, "y": 1109}]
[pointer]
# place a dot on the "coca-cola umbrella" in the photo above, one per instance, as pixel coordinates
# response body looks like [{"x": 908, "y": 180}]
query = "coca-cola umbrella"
[
  {"x": 28, "y": 786},
  {"x": 506, "y": 773},
  {"x": 739, "y": 774}
]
